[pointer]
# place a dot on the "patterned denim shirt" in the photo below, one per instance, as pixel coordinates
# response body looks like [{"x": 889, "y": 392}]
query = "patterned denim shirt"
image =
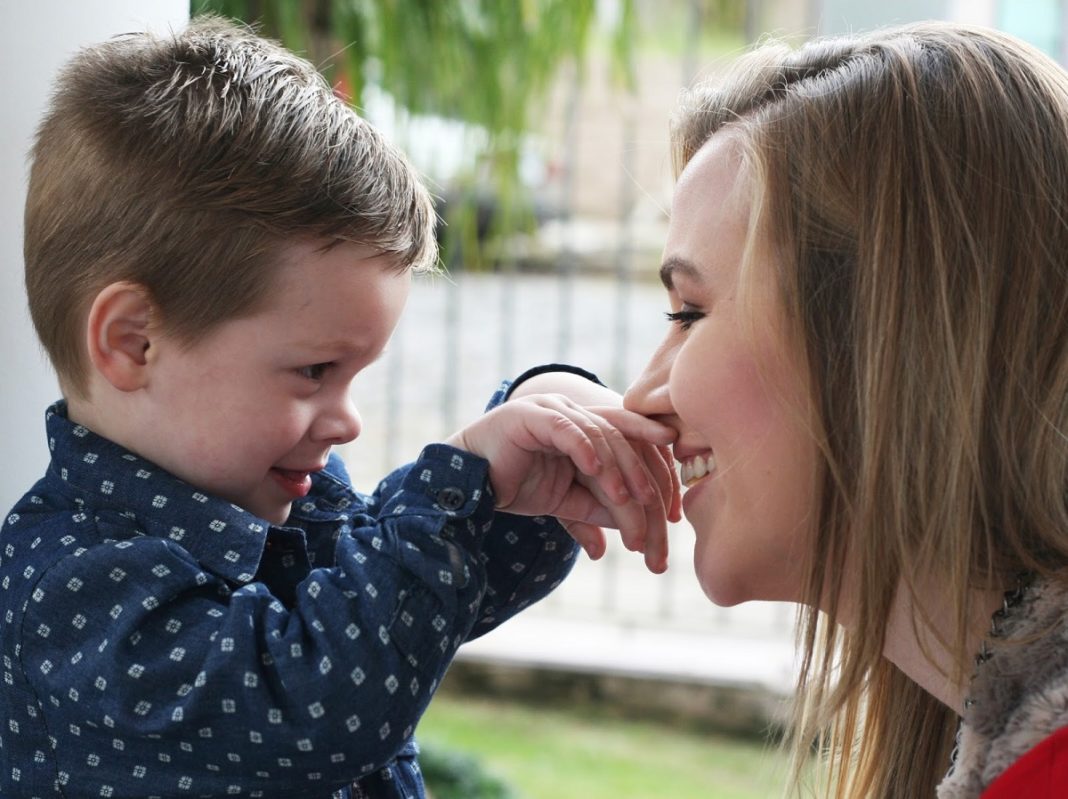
[{"x": 159, "y": 642}]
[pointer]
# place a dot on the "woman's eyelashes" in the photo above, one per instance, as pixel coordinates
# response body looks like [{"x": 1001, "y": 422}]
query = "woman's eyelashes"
[{"x": 685, "y": 318}]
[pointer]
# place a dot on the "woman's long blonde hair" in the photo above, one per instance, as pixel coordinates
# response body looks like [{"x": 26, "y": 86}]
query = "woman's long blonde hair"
[{"x": 915, "y": 183}]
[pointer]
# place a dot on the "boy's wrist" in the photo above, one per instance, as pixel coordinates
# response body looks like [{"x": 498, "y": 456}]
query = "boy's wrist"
[{"x": 454, "y": 480}]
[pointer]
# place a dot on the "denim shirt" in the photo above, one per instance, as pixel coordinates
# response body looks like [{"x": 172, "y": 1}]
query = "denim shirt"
[{"x": 160, "y": 642}]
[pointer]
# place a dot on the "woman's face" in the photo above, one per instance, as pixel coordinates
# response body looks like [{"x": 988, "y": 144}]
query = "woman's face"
[{"x": 727, "y": 378}]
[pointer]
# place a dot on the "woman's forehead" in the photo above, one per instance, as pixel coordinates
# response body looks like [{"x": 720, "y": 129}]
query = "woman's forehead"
[{"x": 716, "y": 173}]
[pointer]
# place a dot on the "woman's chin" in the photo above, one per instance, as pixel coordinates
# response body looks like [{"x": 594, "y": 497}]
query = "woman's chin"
[{"x": 722, "y": 588}]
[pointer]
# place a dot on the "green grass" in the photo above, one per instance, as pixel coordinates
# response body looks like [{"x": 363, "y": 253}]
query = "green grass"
[{"x": 548, "y": 753}]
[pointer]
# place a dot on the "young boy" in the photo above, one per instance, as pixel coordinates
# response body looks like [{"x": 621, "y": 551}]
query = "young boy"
[{"x": 195, "y": 600}]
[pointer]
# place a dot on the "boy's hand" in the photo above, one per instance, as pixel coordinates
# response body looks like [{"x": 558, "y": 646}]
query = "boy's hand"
[
  {"x": 658, "y": 459},
  {"x": 589, "y": 467}
]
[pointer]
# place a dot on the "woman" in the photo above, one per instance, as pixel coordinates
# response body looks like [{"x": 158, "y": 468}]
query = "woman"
[{"x": 867, "y": 265}]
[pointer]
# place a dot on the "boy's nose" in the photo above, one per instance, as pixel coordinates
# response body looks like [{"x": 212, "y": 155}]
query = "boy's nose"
[
  {"x": 648, "y": 394},
  {"x": 339, "y": 423}
]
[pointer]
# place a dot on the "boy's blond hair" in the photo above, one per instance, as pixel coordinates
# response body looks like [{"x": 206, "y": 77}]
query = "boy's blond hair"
[{"x": 183, "y": 163}]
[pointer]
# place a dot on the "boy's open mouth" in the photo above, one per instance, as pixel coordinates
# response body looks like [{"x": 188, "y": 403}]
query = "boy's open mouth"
[{"x": 297, "y": 483}]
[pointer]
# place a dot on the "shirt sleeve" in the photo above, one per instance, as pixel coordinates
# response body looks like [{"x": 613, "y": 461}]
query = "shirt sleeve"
[
  {"x": 525, "y": 557},
  {"x": 520, "y": 561},
  {"x": 131, "y": 643}
]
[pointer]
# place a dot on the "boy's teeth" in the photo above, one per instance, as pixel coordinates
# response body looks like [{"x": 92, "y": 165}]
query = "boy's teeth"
[{"x": 693, "y": 469}]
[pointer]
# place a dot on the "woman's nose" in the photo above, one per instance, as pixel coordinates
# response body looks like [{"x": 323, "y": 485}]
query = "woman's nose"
[
  {"x": 339, "y": 423},
  {"x": 648, "y": 394}
]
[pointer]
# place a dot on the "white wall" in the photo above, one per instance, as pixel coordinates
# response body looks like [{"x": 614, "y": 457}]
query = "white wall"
[
  {"x": 36, "y": 37},
  {"x": 974, "y": 12},
  {"x": 857, "y": 16}
]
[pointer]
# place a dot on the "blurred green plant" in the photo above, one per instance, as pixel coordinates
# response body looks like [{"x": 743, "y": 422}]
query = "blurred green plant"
[
  {"x": 486, "y": 63},
  {"x": 567, "y": 747},
  {"x": 450, "y": 774}
]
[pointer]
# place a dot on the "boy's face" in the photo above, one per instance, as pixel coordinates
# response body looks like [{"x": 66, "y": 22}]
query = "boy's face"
[{"x": 252, "y": 410}]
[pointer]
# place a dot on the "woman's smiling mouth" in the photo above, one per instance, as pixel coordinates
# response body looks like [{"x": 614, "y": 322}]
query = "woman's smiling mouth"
[{"x": 695, "y": 467}]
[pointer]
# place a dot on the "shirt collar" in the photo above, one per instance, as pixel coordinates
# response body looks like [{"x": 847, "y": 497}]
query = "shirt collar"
[{"x": 224, "y": 538}]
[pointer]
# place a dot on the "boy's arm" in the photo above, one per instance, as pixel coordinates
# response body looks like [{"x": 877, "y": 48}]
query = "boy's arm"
[
  {"x": 522, "y": 560},
  {"x": 133, "y": 648},
  {"x": 525, "y": 557},
  {"x": 132, "y": 639}
]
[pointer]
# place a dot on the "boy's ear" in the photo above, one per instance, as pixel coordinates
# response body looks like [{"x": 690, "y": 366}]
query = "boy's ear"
[{"x": 118, "y": 333}]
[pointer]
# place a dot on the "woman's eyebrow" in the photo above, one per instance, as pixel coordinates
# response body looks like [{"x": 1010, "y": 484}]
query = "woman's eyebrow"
[{"x": 676, "y": 264}]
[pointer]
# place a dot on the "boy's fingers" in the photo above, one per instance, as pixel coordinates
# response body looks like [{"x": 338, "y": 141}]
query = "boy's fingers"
[
  {"x": 589, "y": 536},
  {"x": 644, "y": 436},
  {"x": 642, "y": 528},
  {"x": 674, "y": 511},
  {"x": 585, "y": 501},
  {"x": 555, "y": 429},
  {"x": 659, "y": 474},
  {"x": 639, "y": 481},
  {"x": 583, "y": 433},
  {"x": 661, "y": 466},
  {"x": 667, "y": 480},
  {"x": 634, "y": 425},
  {"x": 628, "y": 518},
  {"x": 628, "y": 475},
  {"x": 619, "y": 484}
]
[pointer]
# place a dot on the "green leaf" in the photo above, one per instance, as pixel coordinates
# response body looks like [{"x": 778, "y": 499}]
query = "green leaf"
[{"x": 487, "y": 63}]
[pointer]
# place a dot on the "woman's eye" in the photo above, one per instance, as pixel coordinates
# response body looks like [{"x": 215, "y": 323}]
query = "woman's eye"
[
  {"x": 314, "y": 372},
  {"x": 685, "y": 318}
]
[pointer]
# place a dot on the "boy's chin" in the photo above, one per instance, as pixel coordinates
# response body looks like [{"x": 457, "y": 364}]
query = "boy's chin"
[
  {"x": 276, "y": 516},
  {"x": 272, "y": 513}
]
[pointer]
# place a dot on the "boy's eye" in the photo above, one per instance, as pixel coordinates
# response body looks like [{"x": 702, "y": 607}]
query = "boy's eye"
[
  {"x": 314, "y": 372},
  {"x": 685, "y": 318}
]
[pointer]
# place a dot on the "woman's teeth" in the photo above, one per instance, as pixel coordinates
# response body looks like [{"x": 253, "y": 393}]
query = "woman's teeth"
[{"x": 693, "y": 469}]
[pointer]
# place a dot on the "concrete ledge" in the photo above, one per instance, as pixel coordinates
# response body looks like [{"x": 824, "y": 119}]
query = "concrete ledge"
[
  {"x": 725, "y": 657},
  {"x": 727, "y": 683}
]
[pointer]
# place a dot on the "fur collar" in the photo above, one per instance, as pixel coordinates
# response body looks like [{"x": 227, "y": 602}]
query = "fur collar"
[{"x": 1019, "y": 694}]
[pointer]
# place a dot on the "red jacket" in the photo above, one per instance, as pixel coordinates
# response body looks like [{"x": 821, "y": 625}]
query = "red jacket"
[{"x": 1042, "y": 773}]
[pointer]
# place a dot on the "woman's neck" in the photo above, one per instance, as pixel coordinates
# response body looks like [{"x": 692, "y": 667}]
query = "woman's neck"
[{"x": 923, "y": 650}]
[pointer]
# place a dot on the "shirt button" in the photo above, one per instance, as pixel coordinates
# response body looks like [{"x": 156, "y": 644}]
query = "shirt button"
[{"x": 451, "y": 498}]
